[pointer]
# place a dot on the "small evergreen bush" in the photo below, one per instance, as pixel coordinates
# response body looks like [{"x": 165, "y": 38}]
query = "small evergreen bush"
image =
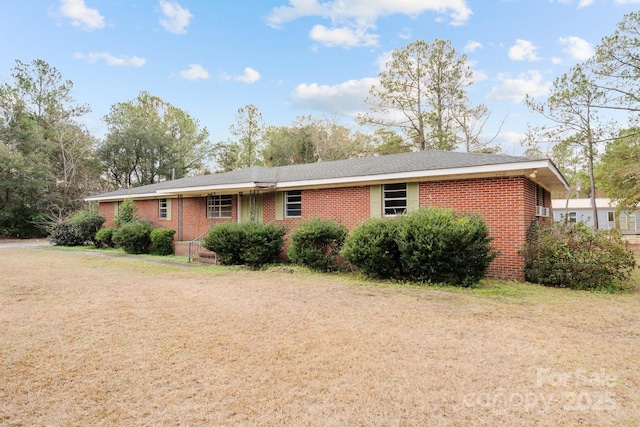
[
  {"x": 439, "y": 246},
  {"x": 573, "y": 255},
  {"x": 225, "y": 240},
  {"x": 317, "y": 243},
  {"x": 134, "y": 237},
  {"x": 104, "y": 237},
  {"x": 77, "y": 230},
  {"x": 63, "y": 234},
  {"x": 162, "y": 241},
  {"x": 250, "y": 243},
  {"x": 262, "y": 243},
  {"x": 372, "y": 247},
  {"x": 126, "y": 213},
  {"x": 86, "y": 225}
]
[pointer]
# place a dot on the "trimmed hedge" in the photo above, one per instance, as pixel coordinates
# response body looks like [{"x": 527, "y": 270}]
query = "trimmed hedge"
[
  {"x": 439, "y": 246},
  {"x": 573, "y": 255},
  {"x": 162, "y": 241},
  {"x": 134, "y": 237},
  {"x": 249, "y": 243},
  {"x": 372, "y": 247},
  {"x": 317, "y": 243},
  {"x": 430, "y": 245}
]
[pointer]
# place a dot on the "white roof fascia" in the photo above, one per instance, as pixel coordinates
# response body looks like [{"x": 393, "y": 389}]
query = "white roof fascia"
[
  {"x": 557, "y": 173},
  {"x": 120, "y": 197},
  {"x": 210, "y": 188},
  {"x": 504, "y": 167}
]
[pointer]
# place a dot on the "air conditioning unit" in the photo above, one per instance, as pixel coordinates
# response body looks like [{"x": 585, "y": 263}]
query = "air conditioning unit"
[{"x": 542, "y": 211}]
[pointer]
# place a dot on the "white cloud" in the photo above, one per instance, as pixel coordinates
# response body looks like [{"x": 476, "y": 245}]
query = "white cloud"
[
  {"x": 121, "y": 61},
  {"x": 81, "y": 15},
  {"x": 586, "y": 3},
  {"x": 195, "y": 72},
  {"x": 472, "y": 46},
  {"x": 250, "y": 76},
  {"x": 627, "y": 1},
  {"x": 514, "y": 89},
  {"x": 345, "y": 37},
  {"x": 347, "y": 97},
  {"x": 523, "y": 50},
  {"x": 556, "y": 61},
  {"x": 176, "y": 18},
  {"x": 384, "y": 59},
  {"x": 361, "y": 15},
  {"x": 577, "y": 48}
]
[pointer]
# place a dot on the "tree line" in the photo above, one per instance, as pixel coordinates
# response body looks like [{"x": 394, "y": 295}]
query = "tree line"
[{"x": 49, "y": 161}]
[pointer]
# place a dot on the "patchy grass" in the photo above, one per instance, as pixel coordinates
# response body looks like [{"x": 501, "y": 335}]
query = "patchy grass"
[{"x": 95, "y": 340}]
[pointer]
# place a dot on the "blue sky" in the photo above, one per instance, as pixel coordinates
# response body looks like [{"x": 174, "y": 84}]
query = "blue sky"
[{"x": 298, "y": 57}]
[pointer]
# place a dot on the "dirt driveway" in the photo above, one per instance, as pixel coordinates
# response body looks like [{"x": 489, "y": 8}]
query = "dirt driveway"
[{"x": 87, "y": 340}]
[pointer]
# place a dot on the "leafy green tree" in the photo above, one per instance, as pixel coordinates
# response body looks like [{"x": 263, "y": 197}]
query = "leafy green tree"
[
  {"x": 619, "y": 169},
  {"x": 572, "y": 109},
  {"x": 289, "y": 145},
  {"x": 421, "y": 91},
  {"x": 149, "y": 140},
  {"x": 616, "y": 66},
  {"x": 248, "y": 130},
  {"x": 311, "y": 139},
  {"x": 42, "y": 141},
  {"x": 389, "y": 142},
  {"x": 225, "y": 155}
]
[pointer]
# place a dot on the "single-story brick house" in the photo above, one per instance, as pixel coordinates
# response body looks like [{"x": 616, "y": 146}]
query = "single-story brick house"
[{"x": 508, "y": 191}]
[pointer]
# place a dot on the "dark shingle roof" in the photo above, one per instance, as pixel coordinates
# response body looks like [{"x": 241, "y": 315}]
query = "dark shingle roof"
[{"x": 430, "y": 160}]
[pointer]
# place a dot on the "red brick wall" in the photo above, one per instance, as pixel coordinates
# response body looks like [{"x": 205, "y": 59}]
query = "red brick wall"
[
  {"x": 194, "y": 213},
  {"x": 506, "y": 204},
  {"x": 348, "y": 206}
]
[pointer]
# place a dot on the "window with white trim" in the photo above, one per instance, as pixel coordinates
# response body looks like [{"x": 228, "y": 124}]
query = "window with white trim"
[
  {"x": 394, "y": 199},
  {"x": 611, "y": 216},
  {"x": 163, "y": 208},
  {"x": 573, "y": 217},
  {"x": 293, "y": 204},
  {"x": 219, "y": 206}
]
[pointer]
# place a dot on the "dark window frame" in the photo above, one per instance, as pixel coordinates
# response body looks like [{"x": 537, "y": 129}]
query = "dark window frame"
[
  {"x": 394, "y": 199},
  {"x": 293, "y": 204}
]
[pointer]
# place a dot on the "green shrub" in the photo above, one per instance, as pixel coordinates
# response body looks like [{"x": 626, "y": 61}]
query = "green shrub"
[
  {"x": 78, "y": 229},
  {"x": 373, "y": 248},
  {"x": 573, "y": 255},
  {"x": 63, "y": 234},
  {"x": 126, "y": 213},
  {"x": 104, "y": 237},
  {"x": 225, "y": 240},
  {"x": 134, "y": 237},
  {"x": 250, "y": 243},
  {"x": 316, "y": 244},
  {"x": 162, "y": 241},
  {"x": 262, "y": 243},
  {"x": 86, "y": 224},
  {"x": 439, "y": 246}
]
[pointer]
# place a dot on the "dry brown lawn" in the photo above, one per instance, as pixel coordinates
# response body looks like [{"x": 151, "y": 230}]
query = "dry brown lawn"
[{"x": 87, "y": 340}]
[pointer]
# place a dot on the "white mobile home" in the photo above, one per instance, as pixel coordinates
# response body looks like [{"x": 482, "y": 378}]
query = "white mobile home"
[{"x": 580, "y": 210}]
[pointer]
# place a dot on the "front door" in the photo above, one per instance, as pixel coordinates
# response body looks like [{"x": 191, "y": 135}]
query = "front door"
[{"x": 251, "y": 207}]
